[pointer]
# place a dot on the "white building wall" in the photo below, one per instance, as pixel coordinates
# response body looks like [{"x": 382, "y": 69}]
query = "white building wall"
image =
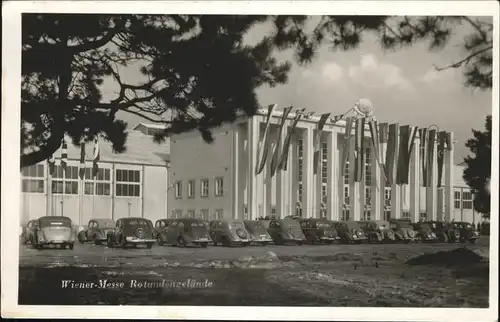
[{"x": 194, "y": 159}]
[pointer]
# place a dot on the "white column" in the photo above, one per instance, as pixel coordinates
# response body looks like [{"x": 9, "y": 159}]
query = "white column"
[
  {"x": 449, "y": 182},
  {"x": 340, "y": 174},
  {"x": 281, "y": 188},
  {"x": 235, "y": 200},
  {"x": 308, "y": 176},
  {"x": 293, "y": 167},
  {"x": 431, "y": 192},
  {"x": 241, "y": 171},
  {"x": 354, "y": 187},
  {"x": 267, "y": 180},
  {"x": 378, "y": 184},
  {"x": 253, "y": 138},
  {"x": 415, "y": 182},
  {"x": 318, "y": 184},
  {"x": 395, "y": 188},
  {"x": 333, "y": 175}
]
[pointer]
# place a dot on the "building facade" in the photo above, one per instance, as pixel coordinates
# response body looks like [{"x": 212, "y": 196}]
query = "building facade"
[
  {"x": 218, "y": 180},
  {"x": 132, "y": 183}
]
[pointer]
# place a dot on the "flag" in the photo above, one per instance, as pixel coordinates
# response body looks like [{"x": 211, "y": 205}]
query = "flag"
[
  {"x": 413, "y": 136},
  {"x": 383, "y": 138},
  {"x": 82, "y": 160},
  {"x": 64, "y": 156},
  {"x": 423, "y": 156},
  {"x": 317, "y": 143},
  {"x": 430, "y": 156},
  {"x": 282, "y": 165},
  {"x": 375, "y": 138},
  {"x": 52, "y": 164},
  {"x": 449, "y": 144},
  {"x": 390, "y": 158},
  {"x": 309, "y": 115},
  {"x": 347, "y": 143},
  {"x": 359, "y": 149},
  {"x": 277, "y": 148},
  {"x": 95, "y": 160},
  {"x": 403, "y": 164},
  {"x": 265, "y": 143},
  {"x": 440, "y": 157}
]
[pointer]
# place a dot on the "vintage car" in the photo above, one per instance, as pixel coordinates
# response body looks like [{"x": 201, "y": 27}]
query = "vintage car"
[
  {"x": 350, "y": 232},
  {"x": 284, "y": 231},
  {"x": 403, "y": 231},
  {"x": 96, "y": 231},
  {"x": 28, "y": 231},
  {"x": 467, "y": 232},
  {"x": 258, "y": 232},
  {"x": 319, "y": 230},
  {"x": 53, "y": 230},
  {"x": 424, "y": 232},
  {"x": 160, "y": 229},
  {"x": 378, "y": 231},
  {"x": 131, "y": 231},
  {"x": 229, "y": 232},
  {"x": 187, "y": 231},
  {"x": 445, "y": 231}
]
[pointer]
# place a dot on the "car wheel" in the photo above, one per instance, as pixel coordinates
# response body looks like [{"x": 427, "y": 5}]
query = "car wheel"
[
  {"x": 264, "y": 244},
  {"x": 81, "y": 237},
  {"x": 123, "y": 242},
  {"x": 204, "y": 245},
  {"x": 181, "y": 242},
  {"x": 472, "y": 241},
  {"x": 372, "y": 239},
  {"x": 71, "y": 246},
  {"x": 109, "y": 242},
  {"x": 159, "y": 240},
  {"x": 149, "y": 245},
  {"x": 97, "y": 242},
  {"x": 225, "y": 241},
  {"x": 444, "y": 238}
]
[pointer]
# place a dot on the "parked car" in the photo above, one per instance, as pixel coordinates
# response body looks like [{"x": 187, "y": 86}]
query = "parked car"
[
  {"x": 160, "y": 229},
  {"x": 403, "y": 231},
  {"x": 319, "y": 230},
  {"x": 284, "y": 231},
  {"x": 53, "y": 230},
  {"x": 424, "y": 232},
  {"x": 467, "y": 232},
  {"x": 229, "y": 232},
  {"x": 132, "y": 231},
  {"x": 378, "y": 231},
  {"x": 28, "y": 231},
  {"x": 445, "y": 231},
  {"x": 96, "y": 231},
  {"x": 350, "y": 232},
  {"x": 187, "y": 231},
  {"x": 258, "y": 232}
]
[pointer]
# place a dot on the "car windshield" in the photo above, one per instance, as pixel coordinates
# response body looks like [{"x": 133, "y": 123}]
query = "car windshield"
[
  {"x": 425, "y": 227},
  {"x": 138, "y": 222},
  {"x": 198, "y": 224},
  {"x": 106, "y": 224},
  {"x": 324, "y": 224},
  {"x": 55, "y": 222},
  {"x": 383, "y": 225},
  {"x": 289, "y": 223}
]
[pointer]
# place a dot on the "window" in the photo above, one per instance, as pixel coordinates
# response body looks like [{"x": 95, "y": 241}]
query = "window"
[
  {"x": 387, "y": 215},
  {"x": 219, "y": 186},
  {"x": 102, "y": 182},
  {"x": 177, "y": 213},
  {"x": 204, "y": 188},
  {"x": 324, "y": 172},
  {"x": 128, "y": 183},
  {"x": 345, "y": 214},
  {"x": 346, "y": 173},
  {"x": 65, "y": 182},
  {"x": 300, "y": 157},
  {"x": 299, "y": 192},
  {"x": 346, "y": 196},
  {"x": 467, "y": 200},
  {"x": 368, "y": 196},
  {"x": 33, "y": 179},
  {"x": 178, "y": 189},
  {"x": 191, "y": 213},
  {"x": 219, "y": 214},
  {"x": 387, "y": 197},
  {"x": 191, "y": 188},
  {"x": 423, "y": 216},
  {"x": 324, "y": 194},
  {"x": 368, "y": 168},
  {"x": 204, "y": 214},
  {"x": 406, "y": 215},
  {"x": 457, "y": 195},
  {"x": 367, "y": 215}
]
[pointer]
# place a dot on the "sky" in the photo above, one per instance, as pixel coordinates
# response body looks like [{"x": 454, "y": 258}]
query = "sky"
[{"x": 403, "y": 86}]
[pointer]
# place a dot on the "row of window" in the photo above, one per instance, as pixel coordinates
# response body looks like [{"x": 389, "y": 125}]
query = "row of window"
[
  {"x": 203, "y": 214},
  {"x": 66, "y": 182},
  {"x": 204, "y": 188}
]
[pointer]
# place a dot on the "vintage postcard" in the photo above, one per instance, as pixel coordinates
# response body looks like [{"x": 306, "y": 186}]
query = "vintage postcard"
[{"x": 276, "y": 160}]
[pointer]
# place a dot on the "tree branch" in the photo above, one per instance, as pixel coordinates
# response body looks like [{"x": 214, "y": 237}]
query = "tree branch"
[{"x": 464, "y": 60}]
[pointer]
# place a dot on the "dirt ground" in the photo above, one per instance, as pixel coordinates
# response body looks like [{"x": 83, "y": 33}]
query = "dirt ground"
[{"x": 395, "y": 275}]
